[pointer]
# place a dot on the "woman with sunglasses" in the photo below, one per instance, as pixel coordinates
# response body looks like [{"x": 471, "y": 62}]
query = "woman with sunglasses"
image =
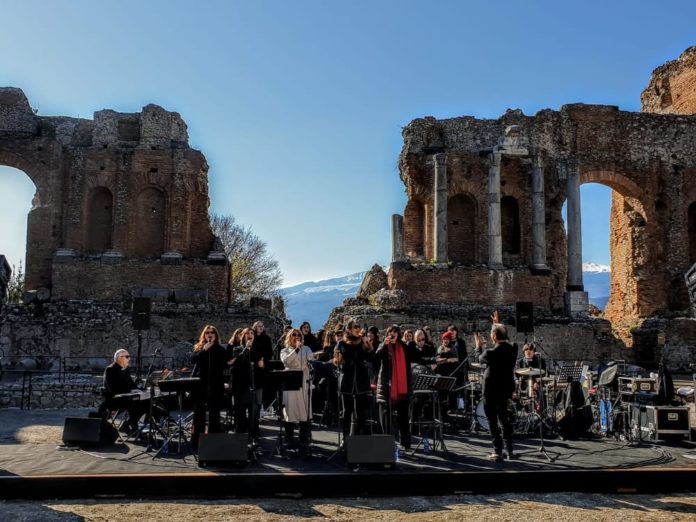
[
  {"x": 297, "y": 356},
  {"x": 210, "y": 359}
]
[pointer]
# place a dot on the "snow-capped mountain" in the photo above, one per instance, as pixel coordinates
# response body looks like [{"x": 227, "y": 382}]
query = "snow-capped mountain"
[
  {"x": 593, "y": 268},
  {"x": 313, "y": 301}
]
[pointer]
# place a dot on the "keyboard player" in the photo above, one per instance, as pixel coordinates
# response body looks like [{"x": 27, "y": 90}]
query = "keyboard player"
[{"x": 117, "y": 381}]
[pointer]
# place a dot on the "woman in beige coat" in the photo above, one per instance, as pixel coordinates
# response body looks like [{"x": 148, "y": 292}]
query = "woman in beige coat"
[{"x": 298, "y": 405}]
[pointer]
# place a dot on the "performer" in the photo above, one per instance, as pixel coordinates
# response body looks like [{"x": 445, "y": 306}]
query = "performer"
[
  {"x": 117, "y": 380},
  {"x": 530, "y": 359},
  {"x": 248, "y": 376},
  {"x": 298, "y": 409},
  {"x": 352, "y": 355},
  {"x": 210, "y": 359},
  {"x": 393, "y": 361},
  {"x": 498, "y": 387}
]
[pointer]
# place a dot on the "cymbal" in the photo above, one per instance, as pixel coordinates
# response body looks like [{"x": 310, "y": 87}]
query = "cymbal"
[{"x": 529, "y": 372}]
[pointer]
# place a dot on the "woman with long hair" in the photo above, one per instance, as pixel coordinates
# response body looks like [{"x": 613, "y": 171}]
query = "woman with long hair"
[
  {"x": 393, "y": 361},
  {"x": 297, "y": 356},
  {"x": 248, "y": 372},
  {"x": 210, "y": 360}
]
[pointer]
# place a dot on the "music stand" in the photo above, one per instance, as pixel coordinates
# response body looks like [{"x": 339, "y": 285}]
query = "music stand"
[
  {"x": 434, "y": 384},
  {"x": 568, "y": 374},
  {"x": 180, "y": 387},
  {"x": 284, "y": 380}
]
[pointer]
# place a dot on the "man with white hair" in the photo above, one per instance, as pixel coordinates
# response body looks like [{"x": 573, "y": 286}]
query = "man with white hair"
[{"x": 117, "y": 380}]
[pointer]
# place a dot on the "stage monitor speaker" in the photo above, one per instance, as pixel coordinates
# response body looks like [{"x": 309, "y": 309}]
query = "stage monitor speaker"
[
  {"x": 85, "y": 430},
  {"x": 524, "y": 314},
  {"x": 223, "y": 449},
  {"x": 141, "y": 313},
  {"x": 372, "y": 450}
]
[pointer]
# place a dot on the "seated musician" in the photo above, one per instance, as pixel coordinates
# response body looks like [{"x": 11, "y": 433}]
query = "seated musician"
[
  {"x": 118, "y": 380},
  {"x": 530, "y": 359}
]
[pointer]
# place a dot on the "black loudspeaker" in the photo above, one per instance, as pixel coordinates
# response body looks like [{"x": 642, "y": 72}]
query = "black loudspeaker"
[
  {"x": 373, "y": 450},
  {"x": 524, "y": 314},
  {"x": 86, "y": 430},
  {"x": 223, "y": 449},
  {"x": 141, "y": 313}
]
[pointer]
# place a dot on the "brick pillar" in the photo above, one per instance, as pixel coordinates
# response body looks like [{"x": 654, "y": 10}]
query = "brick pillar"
[{"x": 576, "y": 299}]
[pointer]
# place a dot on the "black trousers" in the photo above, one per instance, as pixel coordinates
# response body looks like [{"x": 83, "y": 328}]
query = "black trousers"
[
  {"x": 202, "y": 406},
  {"x": 360, "y": 404},
  {"x": 497, "y": 410},
  {"x": 247, "y": 407},
  {"x": 401, "y": 408}
]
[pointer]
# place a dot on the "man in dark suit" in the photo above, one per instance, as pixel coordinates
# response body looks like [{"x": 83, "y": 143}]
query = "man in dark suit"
[{"x": 498, "y": 387}]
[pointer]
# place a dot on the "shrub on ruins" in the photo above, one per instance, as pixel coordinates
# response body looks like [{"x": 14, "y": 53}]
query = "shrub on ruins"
[
  {"x": 15, "y": 286},
  {"x": 253, "y": 269}
]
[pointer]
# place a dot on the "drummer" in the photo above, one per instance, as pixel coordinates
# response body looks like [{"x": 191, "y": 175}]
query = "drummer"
[{"x": 529, "y": 360}]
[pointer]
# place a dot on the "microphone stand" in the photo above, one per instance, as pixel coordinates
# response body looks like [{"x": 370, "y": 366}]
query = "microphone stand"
[
  {"x": 308, "y": 397},
  {"x": 252, "y": 421}
]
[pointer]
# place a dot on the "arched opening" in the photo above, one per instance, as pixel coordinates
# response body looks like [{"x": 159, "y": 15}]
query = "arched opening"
[
  {"x": 99, "y": 220},
  {"x": 510, "y": 225},
  {"x": 692, "y": 233},
  {"x": 595, "y": 218},
  {"x": 18, "y": 192},
  {"x": 461, "y": 229},
  {"x": 414, "y": 228},
  {"x": 150, "y": 223}
]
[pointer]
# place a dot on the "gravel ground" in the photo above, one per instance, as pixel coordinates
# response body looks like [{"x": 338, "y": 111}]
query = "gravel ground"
[{"x": 558, "y": 507}]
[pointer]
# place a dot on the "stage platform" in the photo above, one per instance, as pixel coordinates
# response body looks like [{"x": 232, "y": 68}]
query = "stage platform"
[{"x": 35, "y": 464}]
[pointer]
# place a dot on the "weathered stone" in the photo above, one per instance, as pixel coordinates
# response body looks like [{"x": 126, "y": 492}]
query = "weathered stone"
[
  {"x": 374, "y": 280},
  {"x": 672, "y": 86},
  {"x": 389, "y": 299}
]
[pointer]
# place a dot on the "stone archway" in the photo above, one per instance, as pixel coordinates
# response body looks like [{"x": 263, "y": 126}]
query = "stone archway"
[{"x": 631, "y": 253}]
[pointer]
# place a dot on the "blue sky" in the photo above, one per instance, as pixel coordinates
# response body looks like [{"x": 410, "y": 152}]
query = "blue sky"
[{"x": 298, "y": 105}]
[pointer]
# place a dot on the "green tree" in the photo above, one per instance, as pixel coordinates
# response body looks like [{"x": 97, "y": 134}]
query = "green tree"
[
  {"x": 15, "y": 286},
  {"x": 253, "y": 269}
]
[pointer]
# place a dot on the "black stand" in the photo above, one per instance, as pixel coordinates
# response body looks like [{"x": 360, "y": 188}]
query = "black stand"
[
  {"x": 285, "y": 380},
  {"x": 434, "y": 384},
  {"x": 180, "y": 387},
  {"x": 542, "y": 451},
  {"x": 139, "y": 360}
]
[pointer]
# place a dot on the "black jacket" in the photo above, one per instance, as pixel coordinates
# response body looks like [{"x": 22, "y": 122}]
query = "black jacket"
[
  {"x": 354, "y": 377},
  {"x": 243, "y": 361},
  {"x": 499, "y": 377},
  {"x": 210, "y": 365},
  {"x": 117, "y": 380},
  {"x": 383, "y": 367}
]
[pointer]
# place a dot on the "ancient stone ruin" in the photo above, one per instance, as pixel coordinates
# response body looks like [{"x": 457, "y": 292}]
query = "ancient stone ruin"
[
  {"x": 483, "y": 223},
  {"x": 120, "y": 211},
  {"x": 121, "y": 203}
]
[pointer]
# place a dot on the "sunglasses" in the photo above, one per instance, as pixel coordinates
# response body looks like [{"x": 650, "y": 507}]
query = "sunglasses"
[
  {"x": 210, "y": 333},
  {"x": 529, "y": 349},
  {"x": 126, "y": 356},
  {"x": 296, "y": 335}
]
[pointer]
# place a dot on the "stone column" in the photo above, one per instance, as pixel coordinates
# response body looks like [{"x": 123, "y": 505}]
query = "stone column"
[
  {"x": 440, "y": 209},
  {"x": 538, "y": 216},
  {"x": 398, "y": 238},
  {"x": 576, "y": 300},
  {"x": 574, "y": 232},
  {"x": 495, "y": 240}
]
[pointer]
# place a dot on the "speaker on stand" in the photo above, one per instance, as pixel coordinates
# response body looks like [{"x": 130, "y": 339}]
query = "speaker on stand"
[
  {"x": 524, "y": 317},
  {"x": 140, "y": 318}
]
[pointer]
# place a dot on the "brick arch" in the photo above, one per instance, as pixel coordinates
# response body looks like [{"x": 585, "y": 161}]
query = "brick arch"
[
  {"x": 462, "y": 213},
  {"x": 414, "y": 228},
  {"x": 150, "y": 224},
  {"x": 99, "y": 228},
  {"x": 613, "y": 179},
  {"x": 17, "y": 161}
]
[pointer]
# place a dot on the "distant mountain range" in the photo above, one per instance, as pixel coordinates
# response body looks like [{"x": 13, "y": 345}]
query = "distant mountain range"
[{"x": 313, "y": 301}]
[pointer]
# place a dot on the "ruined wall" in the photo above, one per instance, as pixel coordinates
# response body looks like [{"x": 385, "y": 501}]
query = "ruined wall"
[
  {"x": 124, "y": 184},
  {"x": 648, "y": 160},
  {"x": 672, "y": 86}
]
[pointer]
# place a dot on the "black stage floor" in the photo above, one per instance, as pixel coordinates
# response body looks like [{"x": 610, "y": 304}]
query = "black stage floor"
[{"x": 35, "y": 464}]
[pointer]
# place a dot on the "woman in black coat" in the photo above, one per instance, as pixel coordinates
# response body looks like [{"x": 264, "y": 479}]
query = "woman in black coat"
[
  {"x": 210, "y": 359},
  {"x": 352, "y": 355}
]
